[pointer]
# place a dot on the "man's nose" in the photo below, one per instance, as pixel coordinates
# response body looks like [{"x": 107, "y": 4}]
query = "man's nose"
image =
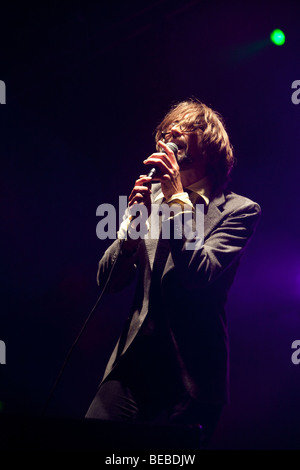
[{"x": 176, "y": 130}]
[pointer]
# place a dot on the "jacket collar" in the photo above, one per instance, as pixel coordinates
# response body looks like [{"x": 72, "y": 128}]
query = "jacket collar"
[{"x": 211, "y": 217}]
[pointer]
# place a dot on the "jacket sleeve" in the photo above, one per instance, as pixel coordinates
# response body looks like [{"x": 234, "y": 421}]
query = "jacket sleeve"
[
  {"x": 118, "y": 265},
  {"x": 221, "y": 249}
]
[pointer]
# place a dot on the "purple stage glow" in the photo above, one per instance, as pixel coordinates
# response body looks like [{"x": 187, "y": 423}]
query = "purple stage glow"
[{"x": 85, "y": 88}]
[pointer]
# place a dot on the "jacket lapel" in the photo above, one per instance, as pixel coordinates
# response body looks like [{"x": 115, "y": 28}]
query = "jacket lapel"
[
  {"x": 151, "y": 243},
  {"x": 213, "y": 215},
  {"x": 211, "y": 219}
]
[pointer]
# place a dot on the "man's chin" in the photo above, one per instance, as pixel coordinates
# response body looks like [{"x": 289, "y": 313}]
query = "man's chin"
[{"x": 185, "y": 162}]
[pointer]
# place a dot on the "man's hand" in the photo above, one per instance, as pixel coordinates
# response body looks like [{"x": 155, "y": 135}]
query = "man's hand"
[
  {"x": 141, "y": 192},
  {"x": 139, "y": 198},
  {"x": 167, "y": 170}
]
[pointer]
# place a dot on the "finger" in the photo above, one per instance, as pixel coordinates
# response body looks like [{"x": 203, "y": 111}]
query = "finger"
[
  {"x": 140, "y": 189},
  {"x": 162, "y": 165},
  {"x": 167, "y": 150},
  {"x": 138, "y": 199},
  {"x": 169, "y": 158},
  {"x": 139, "y": 192},
  {"x": 157, "y": 158},
  {"x": 143, "y": 179}
]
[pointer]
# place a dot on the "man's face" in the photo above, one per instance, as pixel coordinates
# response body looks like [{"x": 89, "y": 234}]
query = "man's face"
[{"x": 187, "y": 139}]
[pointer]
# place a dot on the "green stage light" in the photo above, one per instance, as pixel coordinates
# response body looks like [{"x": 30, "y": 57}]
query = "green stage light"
[{"x": 277, "y": 37}]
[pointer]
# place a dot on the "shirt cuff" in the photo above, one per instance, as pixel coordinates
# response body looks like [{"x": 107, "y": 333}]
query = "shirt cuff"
[
  {"x": 124, "y": 227},
  {"x": 180, "y": 198}
]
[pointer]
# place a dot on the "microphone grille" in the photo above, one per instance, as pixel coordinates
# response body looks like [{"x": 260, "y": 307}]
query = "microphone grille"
[{"x": 173, "y": 147}]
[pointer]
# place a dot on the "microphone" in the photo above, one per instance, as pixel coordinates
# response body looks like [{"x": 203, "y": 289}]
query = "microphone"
[{"x": 172, "y": 147}]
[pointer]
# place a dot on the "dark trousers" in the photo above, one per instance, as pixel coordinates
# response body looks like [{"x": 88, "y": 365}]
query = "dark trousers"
[{"x": 117, "y": 401}]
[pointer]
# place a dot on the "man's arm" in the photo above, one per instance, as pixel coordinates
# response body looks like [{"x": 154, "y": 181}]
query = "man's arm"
[
  {"x": 122, "y": 257},
  {"x": 201, "y": 267}
]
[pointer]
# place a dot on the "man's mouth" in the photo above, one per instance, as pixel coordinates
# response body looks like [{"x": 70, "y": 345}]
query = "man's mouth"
[{"x": 180, "y": 145}]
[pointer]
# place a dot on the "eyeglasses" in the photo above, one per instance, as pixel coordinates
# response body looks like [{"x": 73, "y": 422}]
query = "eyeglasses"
[{"x": 184, "y": 128}]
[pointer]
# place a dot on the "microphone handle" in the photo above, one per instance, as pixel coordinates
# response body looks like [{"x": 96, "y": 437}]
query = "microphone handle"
[
  {"x": 172, "y": 147},
  {"x": 152, "y": 172}
]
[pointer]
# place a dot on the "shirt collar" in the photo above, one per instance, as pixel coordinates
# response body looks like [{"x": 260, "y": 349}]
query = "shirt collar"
[{"x": 201, "y": 187}]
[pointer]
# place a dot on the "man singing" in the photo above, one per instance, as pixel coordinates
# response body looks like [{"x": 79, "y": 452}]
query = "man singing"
[{"x": 170, "y": 365}]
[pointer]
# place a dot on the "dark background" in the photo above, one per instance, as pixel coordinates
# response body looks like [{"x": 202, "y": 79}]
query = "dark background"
[{"x": 86, "y": 85}]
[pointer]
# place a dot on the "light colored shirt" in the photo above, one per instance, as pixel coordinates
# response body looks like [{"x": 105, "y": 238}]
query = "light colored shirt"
[
  {"x": 185, "y": 199},
  {"x": 200, "y": 188}
]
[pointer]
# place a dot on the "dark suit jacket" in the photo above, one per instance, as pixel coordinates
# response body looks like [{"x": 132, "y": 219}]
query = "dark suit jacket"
[{"x": 178, "y": 310}]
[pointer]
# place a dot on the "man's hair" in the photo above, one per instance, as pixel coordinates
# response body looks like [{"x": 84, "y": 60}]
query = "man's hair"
[{"x": 215, "y": 145}]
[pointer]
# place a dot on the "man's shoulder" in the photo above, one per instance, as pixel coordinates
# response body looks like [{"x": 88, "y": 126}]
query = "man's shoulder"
[
  {"x": 233, "y": 197},
  {"x": 233, "y": 201}
]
